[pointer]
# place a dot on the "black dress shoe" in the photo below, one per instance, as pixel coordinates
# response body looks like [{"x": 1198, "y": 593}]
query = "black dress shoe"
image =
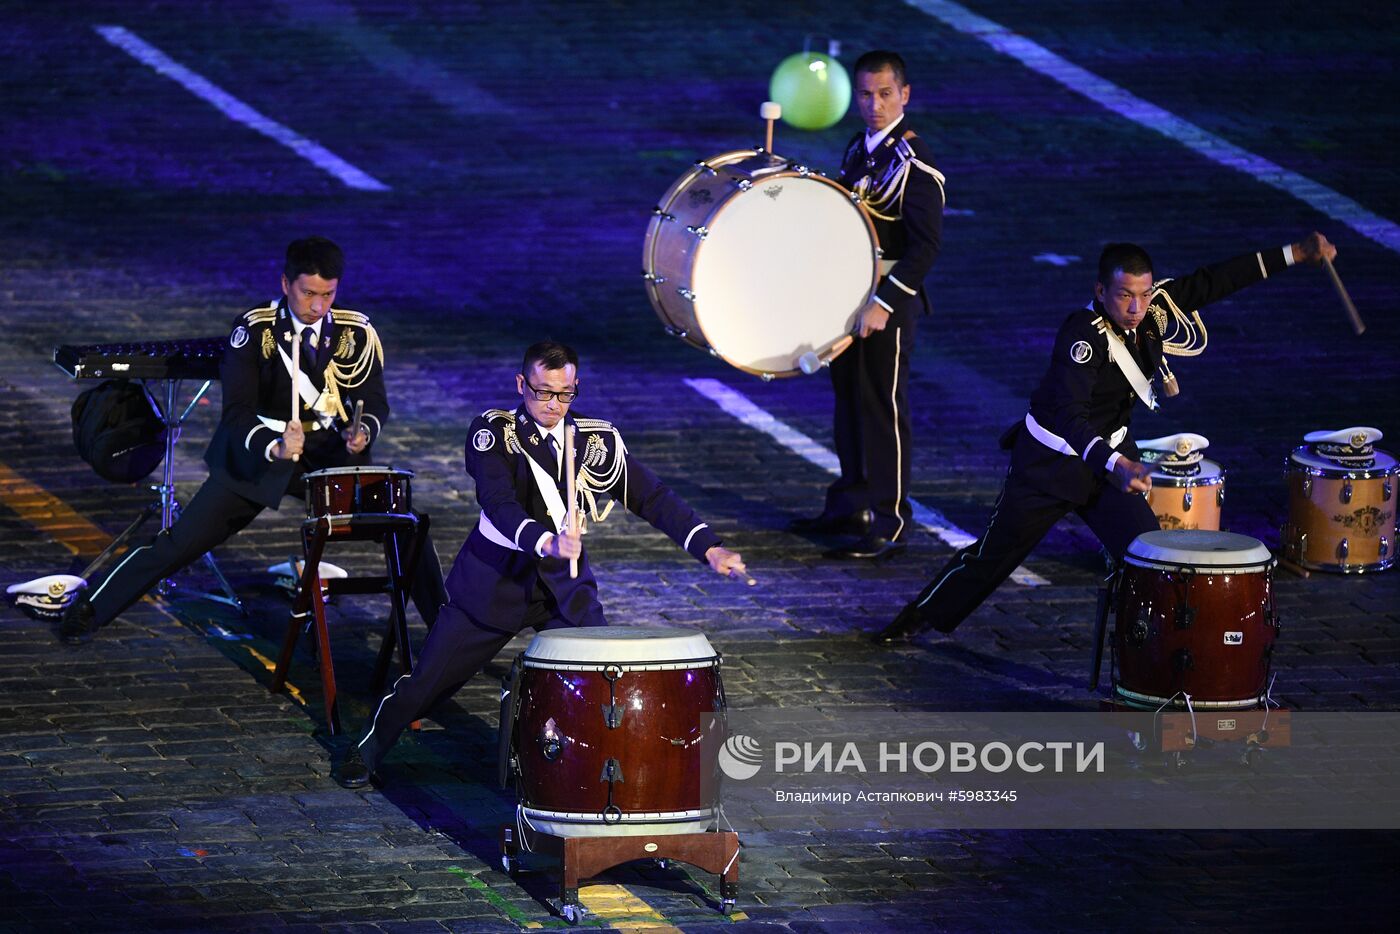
[
  {"x": 855, "y": 523},
  {"x": 869, "y": 548},
  {"x": 351, "y": 771},
  {"x": 908, "y": 624},
  {"x": 79, "y": 621}
]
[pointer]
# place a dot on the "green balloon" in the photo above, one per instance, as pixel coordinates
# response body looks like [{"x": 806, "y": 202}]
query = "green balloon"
[{"x": 813, "y": 88}]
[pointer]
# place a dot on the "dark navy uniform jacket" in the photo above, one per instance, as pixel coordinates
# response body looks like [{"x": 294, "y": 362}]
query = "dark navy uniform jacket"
[
  {"x": 256, "y": 382},
  {"x": 518, "y": 479},
  {"x": 904, "y": 195},
  {"x": 1084, "y": 398}
]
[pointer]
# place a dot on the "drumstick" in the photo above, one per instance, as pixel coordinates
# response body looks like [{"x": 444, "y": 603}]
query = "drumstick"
[
  {"x": 355, "y": 422},
  {"x": 810, "y": 363},
  {"x": 1357, "y": 324},
  {"x": 769, "y": 111},
  {"x": 736, "y": 574},
  {"x": 571, "y": 515},
  {"x": 296, "y": 372}
]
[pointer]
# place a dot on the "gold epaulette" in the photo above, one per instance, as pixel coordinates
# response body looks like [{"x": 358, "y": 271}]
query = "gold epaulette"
[
  {"x": 498, "y": 414},
  {"x": 594, "y": 424},
  {"x": 346, "y": 316},
  {"x": 261, "y": 315}
]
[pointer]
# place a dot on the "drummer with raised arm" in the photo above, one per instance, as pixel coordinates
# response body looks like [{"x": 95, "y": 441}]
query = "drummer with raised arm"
[
  {"x": 890, "y": 168},
  {"x": 513, "y": 571},
  {"x": 1072, "y": 452}
]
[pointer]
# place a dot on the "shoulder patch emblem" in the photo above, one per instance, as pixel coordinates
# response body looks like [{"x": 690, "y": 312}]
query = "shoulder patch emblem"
[
  {"x": 483, "y": 440},
  {"x": 238, "y": 338},
  {"x": 1080, "y": 352}
]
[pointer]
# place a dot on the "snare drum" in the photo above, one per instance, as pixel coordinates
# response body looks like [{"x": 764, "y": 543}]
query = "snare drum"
[
  {"x": 1189, "y": 501},
  {"x": 1195, "y": 616},
  {"x": 1340, "y": 518},
  {"x": 759, "y": 261},
  {"x": 342, "y": 492},
  {"x": 607, "y": 734}
]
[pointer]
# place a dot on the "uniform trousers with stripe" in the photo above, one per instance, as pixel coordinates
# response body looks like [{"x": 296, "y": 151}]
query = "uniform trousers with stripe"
[
  {"x": 872, "y": 430},
  {"x": 1022, "y": 516},
  {"x": 458, "y": 646}
]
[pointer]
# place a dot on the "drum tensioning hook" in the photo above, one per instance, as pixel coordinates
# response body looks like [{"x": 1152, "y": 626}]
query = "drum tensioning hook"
[{"x": 612, "y": 712}]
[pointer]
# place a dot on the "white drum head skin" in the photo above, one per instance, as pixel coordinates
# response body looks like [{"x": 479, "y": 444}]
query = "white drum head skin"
[
  {"x": 1202, "y": 549},
  {"x": 1384, "y": 464},
  {"x": 1209, "y": 475},
  {"x": 784, "y": 270},
  {"x": 628, "y": 647}
]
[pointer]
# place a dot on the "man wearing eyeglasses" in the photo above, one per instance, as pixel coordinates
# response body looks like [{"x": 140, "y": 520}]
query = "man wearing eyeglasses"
[{"x": 513, "y": 570}]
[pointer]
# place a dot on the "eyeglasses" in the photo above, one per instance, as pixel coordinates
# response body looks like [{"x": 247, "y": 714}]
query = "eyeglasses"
[{"x": 544, "y": 395}]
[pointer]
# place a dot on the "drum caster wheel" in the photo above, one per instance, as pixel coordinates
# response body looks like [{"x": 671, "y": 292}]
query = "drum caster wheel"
[
  {"x": 510, "y": 866},
  {"x": 573, "y": 914},
  {"x": 1251, "y": 755},
  {"x": 726, "y": 906}
]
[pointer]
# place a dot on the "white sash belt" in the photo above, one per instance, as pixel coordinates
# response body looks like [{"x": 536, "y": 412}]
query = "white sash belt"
[
  {"x": 1118, "y": 350},
  {"x": 1055, "y": 443},
  {"x": 493, "y": 534}
]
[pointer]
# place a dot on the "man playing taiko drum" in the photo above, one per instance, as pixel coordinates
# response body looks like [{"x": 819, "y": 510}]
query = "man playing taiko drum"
[
  {"x": 513, "y": 572},
  {"x": 1072, "y": 452}
]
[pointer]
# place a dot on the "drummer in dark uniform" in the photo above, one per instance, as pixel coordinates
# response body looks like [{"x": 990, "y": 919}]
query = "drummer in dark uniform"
[
  {"x": 890, "y": 167},
  {"x": 513, "y": 571},
  {"x": 257, "y": 456},
  {"x": 1072, "y": 452}
]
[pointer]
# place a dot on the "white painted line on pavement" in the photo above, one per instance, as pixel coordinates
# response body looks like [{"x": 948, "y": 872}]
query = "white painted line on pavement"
[
  {"x": 1104, "y": 92},
  {"x": 236, "y": 110},
  {"x": 742, "y": 408}
]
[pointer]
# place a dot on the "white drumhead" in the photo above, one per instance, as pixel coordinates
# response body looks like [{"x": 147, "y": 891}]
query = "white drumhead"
[
  {"x": 1209, "y": 475},
  {"x": 1202, "y": 549},
  {"x": 366, "y": 469},
  {"x": 629, "y": 647},
  {"x": 1384, "y": 463},
  {"x": 784, "y": 270}
]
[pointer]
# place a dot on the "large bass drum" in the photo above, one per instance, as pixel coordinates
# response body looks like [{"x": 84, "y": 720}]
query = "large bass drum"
[
  {"x": 759, "y": 261},
  {"x": 608, "y": 733}
]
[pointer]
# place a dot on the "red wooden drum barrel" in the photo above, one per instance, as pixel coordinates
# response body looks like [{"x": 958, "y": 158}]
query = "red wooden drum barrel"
[
  {"x": 344, "y": 492},
  {"x": 1195, "y": 616},
  {"x": 607, "y": 738}
]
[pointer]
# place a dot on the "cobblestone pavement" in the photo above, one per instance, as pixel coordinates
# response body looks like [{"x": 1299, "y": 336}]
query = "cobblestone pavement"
[{"x": 149, "y": 780}]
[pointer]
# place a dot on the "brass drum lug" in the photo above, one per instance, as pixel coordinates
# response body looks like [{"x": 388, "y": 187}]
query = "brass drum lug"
[
  {"x": 653, "y": 277},
  {"x": 1343, "y": 549},
  {"x": 704, "y": 166},
  {"x": 743, "y": 184},
  {"x": 675, "y": 332},
  {"x": 700, "y": 232},
  {"x": 657, "y": 212},
  {"x": 1386, "y": 489},
  {"x": 1220, "y": 496},
  {"x": 1186, "y": 501},
  {"x": 1385, "y": 548},
  {"x": 1346, "y": 490},
  {"x": 1307, "y": 487},
  {"x": 686, "y": 294}
]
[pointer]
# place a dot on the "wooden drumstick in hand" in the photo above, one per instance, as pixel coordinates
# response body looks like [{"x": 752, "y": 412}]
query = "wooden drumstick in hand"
[
  {"x": 1357, "y": 324},
  {"x": 571, "y": 514},
  {"x": 296, "y": 377}
]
